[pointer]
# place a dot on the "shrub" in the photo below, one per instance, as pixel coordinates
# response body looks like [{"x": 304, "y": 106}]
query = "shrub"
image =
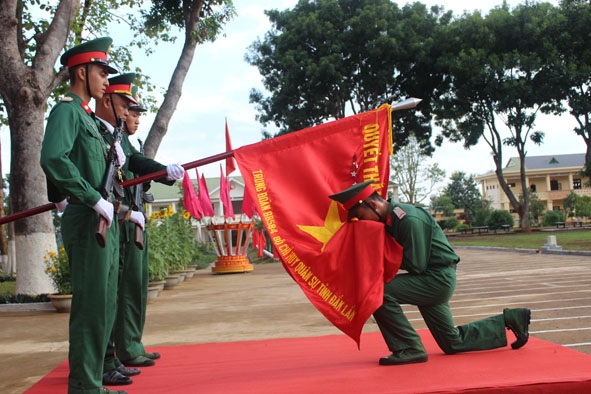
[
  {"x": 461, "y": 227},
  {"x": 498, "y": 218},
  {"x": 551, "y": 217},
  {"x": 451, "y": 223}
]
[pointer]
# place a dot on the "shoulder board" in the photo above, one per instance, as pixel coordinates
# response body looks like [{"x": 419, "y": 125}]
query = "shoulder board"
[
  {"x": 399, "y": 212},
  {"x": 66, "y": 99}
]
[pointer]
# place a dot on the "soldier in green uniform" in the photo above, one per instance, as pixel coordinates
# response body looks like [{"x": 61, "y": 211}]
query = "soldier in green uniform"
[
  {"x": 133, "y": 300},
  {"x": 74, "y": 159},
  {"x": 429, "y": 283},
  {"x": 115, "y": 105}
]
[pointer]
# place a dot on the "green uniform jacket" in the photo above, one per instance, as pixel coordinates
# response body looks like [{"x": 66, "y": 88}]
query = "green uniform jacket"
[
  {"x": 425, "y": 244},
  {"x": 73, "y": 161}
]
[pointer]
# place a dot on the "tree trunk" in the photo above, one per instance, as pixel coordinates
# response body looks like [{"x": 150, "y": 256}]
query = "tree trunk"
[
  {"x": 34, "y": 235},
  {"x": 3, "y": 239},
  {"x": 173, "y": 95},
  {"x": 25, "y": 85}
]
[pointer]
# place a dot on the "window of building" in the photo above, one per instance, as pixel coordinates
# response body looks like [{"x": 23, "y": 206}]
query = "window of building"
[
  {"x": 512, "y": 184},
  {"x": 556, "y": 208},
  {"x": 576, "y": 184},
  {"x": 532, "y": 188},
  {"x": 554, "y": 185}
]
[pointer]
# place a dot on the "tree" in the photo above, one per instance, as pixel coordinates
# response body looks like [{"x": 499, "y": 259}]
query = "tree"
[
  {"x": 325, "y": 58},
  {"x": 30, "y": 51},
  {"x": 415, "y": 178},
  {"x": 536, "y": 207},
  {"x": 574, "y": 68},
  {"x": 443, "y": 204},
  {"x": 32, "y": 40},
  {"x": 583, "y": 206},
  {"x": 201, "y": 21},
  {"x": 463, "y": 193},
  {"x": 482, "y": 213},
  {"x": 502, "y": 76},
  {"x": 569, "y": 204}
]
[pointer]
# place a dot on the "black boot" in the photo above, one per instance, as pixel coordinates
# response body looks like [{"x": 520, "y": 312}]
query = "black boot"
[{"x": 517, "y": 320}]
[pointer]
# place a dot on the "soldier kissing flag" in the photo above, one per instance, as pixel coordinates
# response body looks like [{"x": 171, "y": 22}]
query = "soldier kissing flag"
[{"x": 340, "y": 266}]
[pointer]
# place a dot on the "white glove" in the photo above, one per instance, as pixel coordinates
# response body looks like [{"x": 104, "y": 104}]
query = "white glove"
[
  {"x": 120, "y": 154},
  {"x": 105, "y": 209},
  {"x": 174, "y": 172},
  {"x": 61, "y": 206},
  {"x": 138, "y": 218}
]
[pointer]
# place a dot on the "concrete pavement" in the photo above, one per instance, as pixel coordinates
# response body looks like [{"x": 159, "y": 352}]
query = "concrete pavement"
[{"x": 266, "y": 303}]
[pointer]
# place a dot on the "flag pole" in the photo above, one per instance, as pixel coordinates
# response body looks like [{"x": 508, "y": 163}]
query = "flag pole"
[
  {"x": 187, "y": 166},
  {"x": 131, "y": 182},
  {"x": 404, "y": 104}
]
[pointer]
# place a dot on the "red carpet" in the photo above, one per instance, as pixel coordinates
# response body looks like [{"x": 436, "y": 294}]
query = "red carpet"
[{"x": 332, "y": 364}]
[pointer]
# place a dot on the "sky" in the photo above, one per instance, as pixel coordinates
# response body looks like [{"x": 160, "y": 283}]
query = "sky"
[{"x": 218, "y": 85}]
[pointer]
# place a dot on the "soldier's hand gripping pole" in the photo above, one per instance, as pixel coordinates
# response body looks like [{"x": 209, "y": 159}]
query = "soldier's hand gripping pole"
[{"x": 131, "y": 182}]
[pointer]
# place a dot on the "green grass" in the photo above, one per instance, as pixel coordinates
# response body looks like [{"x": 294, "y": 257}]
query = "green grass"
[
  {"x": 568, "y": 239},
  {"x": 7, "y": 287}
]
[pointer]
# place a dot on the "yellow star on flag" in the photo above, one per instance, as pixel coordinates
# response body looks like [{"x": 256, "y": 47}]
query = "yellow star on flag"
[{"x": 332, "y": 224}]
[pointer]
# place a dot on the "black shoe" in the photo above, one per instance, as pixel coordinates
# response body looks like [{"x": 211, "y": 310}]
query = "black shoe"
[
  {"x": 139, "y": 361},
  {"x": 105, "y": 390},
  {"x": 517, "y": 320},
  {"x": 152, "y": 355},
  {"x": 123, "y": 370},
  {"x": 114, "y": 378},
  {"x": 406, "y": 356}
]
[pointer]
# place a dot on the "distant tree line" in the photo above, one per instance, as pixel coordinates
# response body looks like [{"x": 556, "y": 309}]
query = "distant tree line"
[{"x": 482, "y": 77}]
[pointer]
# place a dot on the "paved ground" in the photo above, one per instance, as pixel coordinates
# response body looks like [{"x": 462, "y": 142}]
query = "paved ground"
[{"x": 266, "y": 303}]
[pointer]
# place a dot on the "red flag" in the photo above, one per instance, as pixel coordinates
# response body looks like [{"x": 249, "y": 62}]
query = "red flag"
[
  {"x": 255, "y": 238},
  {"x": 225, "y": 195},
  {"x": 190, "y": 200},
  {"x": 230, "y": 163},
  {"x": 339, "y": 266},
  {"x": 248, "y": 205},
  {"x": 204, "y": 199}
]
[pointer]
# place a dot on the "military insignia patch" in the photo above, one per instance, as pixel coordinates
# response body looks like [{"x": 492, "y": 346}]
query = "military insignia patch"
[{"x": 399, "y": 212}]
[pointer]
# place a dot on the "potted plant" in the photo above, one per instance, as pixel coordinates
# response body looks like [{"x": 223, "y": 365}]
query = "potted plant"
[
  {"x": 182, "y": 244},
  {"x": 157, "y": 269},
  {"x": 161, "y": 251},
  {"x": 57, "y": 267}
]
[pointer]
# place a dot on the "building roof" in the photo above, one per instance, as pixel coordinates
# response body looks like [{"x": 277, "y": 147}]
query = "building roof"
[{"x": 547, "y": 162}]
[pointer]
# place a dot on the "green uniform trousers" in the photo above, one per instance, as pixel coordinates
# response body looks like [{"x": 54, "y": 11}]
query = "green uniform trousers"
[
  {"x": 132, "y": 298},
  {"x": 431, "y": 292},
  {"x": 94, "y": 287}
]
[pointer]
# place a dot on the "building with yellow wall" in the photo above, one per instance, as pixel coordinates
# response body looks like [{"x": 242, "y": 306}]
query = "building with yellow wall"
[{"x": 551, "y": 178}]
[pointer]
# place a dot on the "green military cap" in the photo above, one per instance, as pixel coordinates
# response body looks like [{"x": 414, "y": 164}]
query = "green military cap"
[
  {"x": 122, "y": 85},
  {"x": 136, "y": 96},
  {"x": 93, "y": 51},
  {"x": 354, "y": 195}
]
